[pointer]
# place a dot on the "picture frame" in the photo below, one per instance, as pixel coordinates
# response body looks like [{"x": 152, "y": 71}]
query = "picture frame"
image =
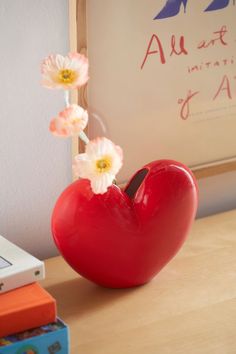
[{"x": 79, "y": 42}]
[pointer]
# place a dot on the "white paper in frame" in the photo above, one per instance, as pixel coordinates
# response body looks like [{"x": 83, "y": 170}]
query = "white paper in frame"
[{"x": 165, "y": 87}]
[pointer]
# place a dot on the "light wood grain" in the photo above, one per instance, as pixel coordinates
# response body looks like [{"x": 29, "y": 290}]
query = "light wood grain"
[
  {"x": 73, "y": 47},
  {"x": 78, "y": 43},
  {"x": 210, "y": 171},
  {"x": 189, "y": 308}
]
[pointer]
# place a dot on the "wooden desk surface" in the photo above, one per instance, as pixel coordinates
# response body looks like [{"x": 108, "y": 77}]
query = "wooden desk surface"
[{"x": 189, "y": 308}]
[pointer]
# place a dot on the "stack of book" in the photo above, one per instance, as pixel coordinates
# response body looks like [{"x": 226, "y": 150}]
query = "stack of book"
[{"x": 28, "y": 319}]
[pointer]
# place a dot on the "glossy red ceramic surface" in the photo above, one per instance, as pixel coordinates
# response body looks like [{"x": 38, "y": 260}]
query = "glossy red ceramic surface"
[{"x": 124, "y": 238}]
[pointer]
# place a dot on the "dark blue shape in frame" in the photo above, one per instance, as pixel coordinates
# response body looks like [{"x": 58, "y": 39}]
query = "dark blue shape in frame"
[
  {"x": 171, "y": 8},
  {"x": 218, "y": 5}
]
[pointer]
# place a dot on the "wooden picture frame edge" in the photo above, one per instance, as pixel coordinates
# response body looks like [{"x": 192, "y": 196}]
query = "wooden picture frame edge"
[
  {"x": 214, "y": 169},
  {"x": 78, "y": 43}
]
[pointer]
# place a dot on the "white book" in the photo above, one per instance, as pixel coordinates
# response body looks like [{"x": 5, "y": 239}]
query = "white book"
[{"x": 17, "y": 267}]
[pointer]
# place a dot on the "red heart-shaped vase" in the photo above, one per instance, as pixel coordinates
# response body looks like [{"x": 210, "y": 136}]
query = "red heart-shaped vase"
[{"x": 123, "y": 238}]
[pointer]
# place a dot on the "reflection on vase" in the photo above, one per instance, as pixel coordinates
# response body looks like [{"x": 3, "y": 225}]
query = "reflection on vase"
[
  {"x": 218, "y": 4},
  {"x": 171, "y": 8}
]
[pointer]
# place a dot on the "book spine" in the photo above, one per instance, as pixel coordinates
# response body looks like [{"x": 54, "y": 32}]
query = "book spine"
[
  {"x": 22, "y": 278},
  {"x": 27, "y": 318}
]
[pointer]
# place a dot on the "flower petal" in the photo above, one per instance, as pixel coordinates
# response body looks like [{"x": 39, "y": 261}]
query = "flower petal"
[
  {"x": 101, "y": 183},
  {"x": 82, "y": 166},
  {"x": 58, "y": 128}
]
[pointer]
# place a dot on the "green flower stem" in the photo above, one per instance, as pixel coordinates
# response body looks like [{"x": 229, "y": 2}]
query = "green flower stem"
[
  {"x": 84, "y": 137},
  {"x": 67, "y": 97}
]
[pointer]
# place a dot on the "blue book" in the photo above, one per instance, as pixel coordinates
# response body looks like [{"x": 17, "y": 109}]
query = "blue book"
[{"x": 49, "y": 339}]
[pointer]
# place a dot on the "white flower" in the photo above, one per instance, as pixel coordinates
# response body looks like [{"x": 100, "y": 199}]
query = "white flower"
[
  {"x": 100, "y": 163},
  {"x": 66, "y": 73}
]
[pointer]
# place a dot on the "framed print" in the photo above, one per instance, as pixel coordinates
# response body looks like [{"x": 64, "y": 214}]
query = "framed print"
[{"x": 162, "y": 79}]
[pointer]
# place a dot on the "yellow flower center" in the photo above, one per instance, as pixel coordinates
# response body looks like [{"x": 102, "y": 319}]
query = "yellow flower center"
[
  {"x": 75, "y": 120},
  {"x": 72, "y": 121},
  {"x": 66, "y": 76},
  {"x": 104, "y": 164}
]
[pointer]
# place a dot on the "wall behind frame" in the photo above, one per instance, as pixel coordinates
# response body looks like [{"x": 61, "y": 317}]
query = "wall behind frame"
[{"x": 34, "y": 166}]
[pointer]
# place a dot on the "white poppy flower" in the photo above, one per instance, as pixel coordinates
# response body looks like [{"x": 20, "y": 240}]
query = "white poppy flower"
[
  {"x": 100, "y": 163},
  {"x": 66, "y": 73}
]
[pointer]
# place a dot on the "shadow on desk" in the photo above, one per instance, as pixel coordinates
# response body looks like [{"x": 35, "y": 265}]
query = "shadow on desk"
[{"x": 80, "y": 296}]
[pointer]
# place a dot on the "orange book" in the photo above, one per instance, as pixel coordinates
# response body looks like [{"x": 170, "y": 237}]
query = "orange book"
[{"x": 25, "y": 308}]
